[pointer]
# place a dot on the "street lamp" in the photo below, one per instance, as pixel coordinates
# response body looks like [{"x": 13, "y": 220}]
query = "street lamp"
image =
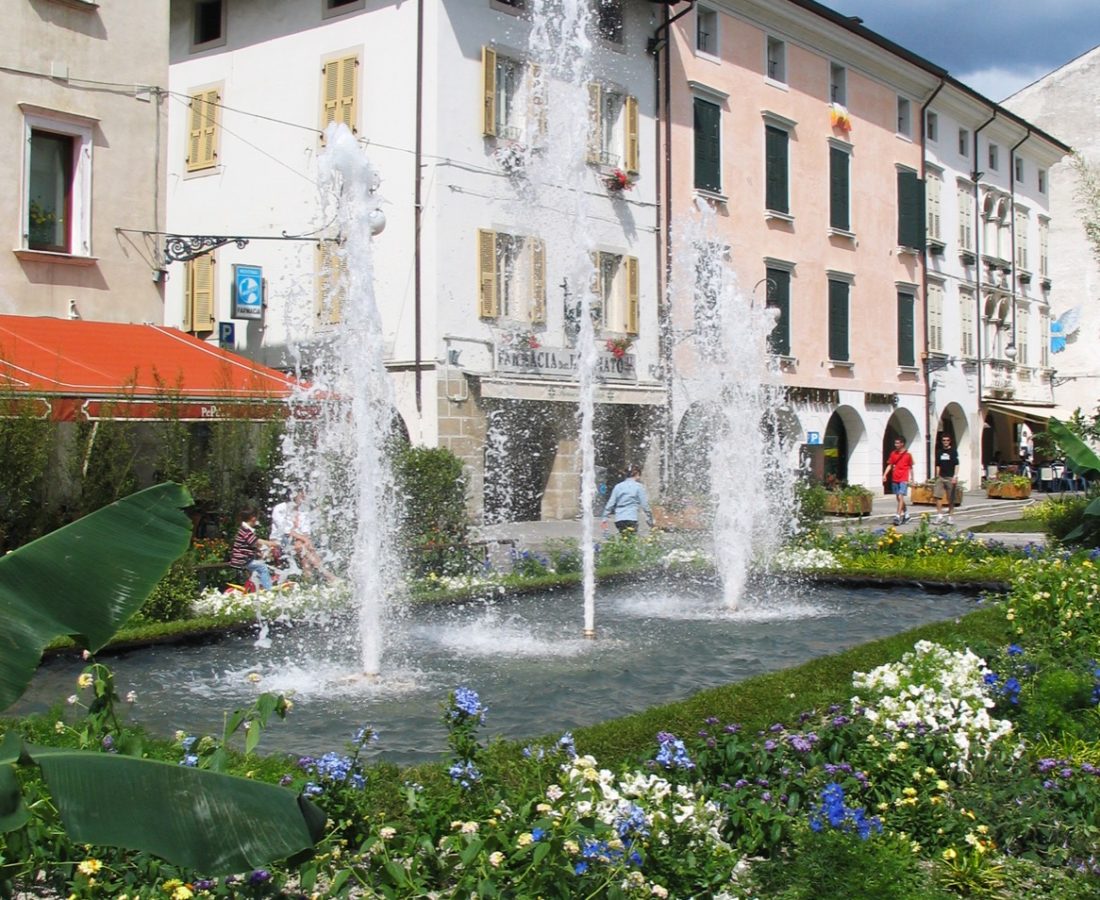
[{"x": 1010, "y": 351}]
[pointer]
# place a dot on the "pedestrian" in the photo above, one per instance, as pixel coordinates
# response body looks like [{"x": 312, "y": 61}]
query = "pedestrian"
[
  {"x": 627, "y": 497},
  {"x": 247, "y": 549},
  {"x": 947, "y": 479},
  {"x": 291, "y": 527},
  {"x": 898, "y": 468}
]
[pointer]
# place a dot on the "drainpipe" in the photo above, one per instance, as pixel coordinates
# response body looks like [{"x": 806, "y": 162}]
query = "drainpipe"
[
  {"x": 417, "y": 210},
  {"x": 978, "y": 329},
  {"x": 929, "y": 442},
  {"x": 1012, "y": 226},
  {"x": 658, "y": 43}
]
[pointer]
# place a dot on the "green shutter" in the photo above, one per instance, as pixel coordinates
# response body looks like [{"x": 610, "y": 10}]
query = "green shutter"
[
  {"x": 838, "y": 320},
  {"x": 708, "y": 162},
  {"x": 910, "y": 211},
  {"x": 838, "y": 189},
  {"x": 779, "y": 296},
  {"x": 776, "y": 195},
  {"x": 906, "y": 351}
]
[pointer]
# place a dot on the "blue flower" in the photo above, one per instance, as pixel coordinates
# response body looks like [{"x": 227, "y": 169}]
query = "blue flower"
[
  {"x": 1014, "y": 650},
  {"x": 844, "y": 818},
  {"x": 580, "y": 868},
  {"x": 464, "y": 774},
  {"x": 466, "y": 703},
  {"x": 537, "y": 834},
  {"x": 190, "y": 759},
  {"x": 671, "y": 753}
]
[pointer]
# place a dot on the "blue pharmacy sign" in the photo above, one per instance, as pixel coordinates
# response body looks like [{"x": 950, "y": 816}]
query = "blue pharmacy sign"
[{"x": 248, "y": 292}]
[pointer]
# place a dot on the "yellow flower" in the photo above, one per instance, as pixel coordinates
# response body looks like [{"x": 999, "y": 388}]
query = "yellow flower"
[
  {"x": 524, "y": 839},
  {"x": 171, "y": 884},
  {"x": 983, "y": 829},
  {"x": 571, "y": 847},
  {"x": 942, "y": 785},
  {"x": 496, "y": 858},
  {"x": 85, "y": 680},
  {"x": 949, "y": 854},
  {"x": 89, "y": 867},
  {"x": 910, "y": 792},
  {"x": 183, "y": 892}
]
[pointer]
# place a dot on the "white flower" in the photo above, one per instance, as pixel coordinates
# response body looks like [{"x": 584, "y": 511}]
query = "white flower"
[
  {"x": 386, "y": 833},
  {"x": 131, "y": 696}
]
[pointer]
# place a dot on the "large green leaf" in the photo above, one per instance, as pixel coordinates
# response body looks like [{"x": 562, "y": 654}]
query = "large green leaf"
[
  {"x": 1081, "y": 456},
  {"x": 86, "y": 579},
  {"x": 213, "y": 823}
]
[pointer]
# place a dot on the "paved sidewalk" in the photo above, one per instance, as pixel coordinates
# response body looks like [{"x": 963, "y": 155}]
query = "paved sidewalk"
[{"x": 976, "y": 509}]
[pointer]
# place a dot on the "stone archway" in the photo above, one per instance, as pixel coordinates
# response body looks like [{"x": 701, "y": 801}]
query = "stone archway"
[{"x": 845, "y": 433}]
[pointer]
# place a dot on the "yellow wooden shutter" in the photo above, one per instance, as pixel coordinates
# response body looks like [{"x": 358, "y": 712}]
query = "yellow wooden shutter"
[
  {"x": 188, "y": 301},
  {"x": 537, "y": 250},
  {"x": 595, "y": 131},
  {"x": 536, "y": 100},
  {"x": 340, "y": 88},
  {"x": 631, "y": 294},
  {"x": 202, "y": 292},
  {"x": 202, "y": 137},
  {"x": 489, "y": 91},
  {"x": 631, "y": 154},
  {"x": 487, "y": 273}
]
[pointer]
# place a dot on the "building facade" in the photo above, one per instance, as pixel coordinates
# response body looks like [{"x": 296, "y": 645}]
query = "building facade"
[
  {"x": 510, "y": 171},
  {"x": 1064, "y": 103},
  {"x": 84, "y": 138}
]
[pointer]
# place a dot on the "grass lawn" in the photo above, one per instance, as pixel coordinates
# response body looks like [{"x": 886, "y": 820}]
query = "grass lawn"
[{"x": 1010, "y": 526}]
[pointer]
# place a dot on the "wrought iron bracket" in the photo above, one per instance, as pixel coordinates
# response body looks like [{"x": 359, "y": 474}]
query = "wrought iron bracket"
[{"x": 184, "y": 247}]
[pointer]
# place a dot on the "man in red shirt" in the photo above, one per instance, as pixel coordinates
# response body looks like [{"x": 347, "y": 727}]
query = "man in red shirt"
[{"x": 898, "y": 469}]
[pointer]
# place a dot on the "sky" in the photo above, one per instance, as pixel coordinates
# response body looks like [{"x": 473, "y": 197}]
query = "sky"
[{"x": 996, "y": 47}]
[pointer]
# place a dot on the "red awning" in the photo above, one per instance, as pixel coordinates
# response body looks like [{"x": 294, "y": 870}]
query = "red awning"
[{"x": 72, "y": 370}]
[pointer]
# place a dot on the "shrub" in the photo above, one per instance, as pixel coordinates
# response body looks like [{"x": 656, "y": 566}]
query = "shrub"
[
  {"x": 171, "y": 598},
  {"x": 810, "y": 501},
  {"x": 431, "y": 487}
]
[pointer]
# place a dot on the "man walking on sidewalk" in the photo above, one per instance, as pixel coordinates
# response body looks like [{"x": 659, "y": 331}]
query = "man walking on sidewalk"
[
  {"x": 898, "y": 467},
  {"x": 947, "y": 465}
]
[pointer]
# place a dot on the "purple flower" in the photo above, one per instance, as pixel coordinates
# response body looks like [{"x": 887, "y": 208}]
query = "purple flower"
[
  {"x": 766, "y": 796},
  {"x": 1067, "y": 772},
  {"x": 1048, "y": 784},
  {"x": 775, "y": 728},
  {"x": 732, "y": 728},
  {"x": 740, "y": 783},
  {"x": 770, "y": 745},
  {"x": 711, "y": 720},
  {"x": 1046, "y": 764},
  {"x": 259, "y": 876}
]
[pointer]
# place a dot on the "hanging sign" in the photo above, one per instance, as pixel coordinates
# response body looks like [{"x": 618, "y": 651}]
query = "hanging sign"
[{"x": 248, "y": 292}]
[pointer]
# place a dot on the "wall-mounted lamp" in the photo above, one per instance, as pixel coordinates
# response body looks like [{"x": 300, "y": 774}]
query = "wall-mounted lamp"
[{"x": 1010, "y": 351}]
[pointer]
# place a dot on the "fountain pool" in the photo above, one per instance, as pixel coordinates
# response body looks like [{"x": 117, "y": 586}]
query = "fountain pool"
[{"x": 524, "y": 655}]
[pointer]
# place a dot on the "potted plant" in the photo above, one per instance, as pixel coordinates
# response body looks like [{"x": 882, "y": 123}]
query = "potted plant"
[
  {"x": 850, "y": 500},
  {"x": 619, "y": 347},
  {"x": 1007, "y": 486},
  {"x": 679, "y": 511},
  {"x": 921, "y": 494},
  {"x": 618, "y": 182}
]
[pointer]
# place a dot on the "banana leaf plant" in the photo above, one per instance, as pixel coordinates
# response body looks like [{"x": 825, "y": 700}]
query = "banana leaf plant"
[
  {"x": 1084, "y": 461},
  {"x": 85, "y": 581}
]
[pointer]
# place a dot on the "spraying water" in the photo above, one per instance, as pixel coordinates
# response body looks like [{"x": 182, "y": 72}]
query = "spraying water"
[
  {"x": 747, "y": 459},
  {"x": 336, "y": 444}
]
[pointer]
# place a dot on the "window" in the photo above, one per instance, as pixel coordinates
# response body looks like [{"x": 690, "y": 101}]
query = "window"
[
  {"x": 933, "y": 192},
  {"x": 1041, "y": 176},
  {"x": 838, "y": 84},
  {"x": 1018, "y": 170},
  {"x": 339, "y": 7},
  {"x": 203, "y": 133},
  {"x": 779, "y": 299},
  {"x": 905, "y": 117},
  {"x": 513, "y": 97},
  {"x": 935, "y": 317},
  {"x": 910, "y": 210},
  {"x": 965, "y": 197},
  {"x": 964, "y": 143},
  {"x": 907, "y": 357},
  {"x": 993, "y": 157},
  {"x": 776, "y": 59},
  {"x": 932, "y": 126},
  {"x": 1022, "y": 314},
  {"x": 776, "y": 162},
  {"x": 616, "y": 288},
  {"x": 207, "y": 24},
  {"x": 198, "y": 300},
  {"x": 1021, "y": 239},
  {"x": 708, "y": 146},
  {"x": 57, "y": 181},
  {"x": 838, "y": 319},
  {"x": 1044, "y": 248},
  {"x": 609, "y": 20},
  {"x": 706, "y": 30},
  {"x": 332, "y": 271},
  {"x": 339, "y": 86},
  {"x": 966, "y": 320},
  {"x": 511, "y": 277},
  {"x": 1044, "y": 339},
  {"x": 613, "y": 128},
  {"x": 839, "y": 188}
]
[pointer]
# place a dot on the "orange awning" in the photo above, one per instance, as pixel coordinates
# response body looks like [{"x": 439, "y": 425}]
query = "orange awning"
[{"x": 72, "y": 370}]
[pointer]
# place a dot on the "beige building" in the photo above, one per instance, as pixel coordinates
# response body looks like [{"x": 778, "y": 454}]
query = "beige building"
[{"x": 82, "y": 136}]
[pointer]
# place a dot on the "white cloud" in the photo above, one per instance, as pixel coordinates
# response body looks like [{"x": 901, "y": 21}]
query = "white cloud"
[{"x": 998, "y": 83}]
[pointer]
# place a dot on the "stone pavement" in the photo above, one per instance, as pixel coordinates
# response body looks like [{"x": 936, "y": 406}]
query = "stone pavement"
[{"x": 976, "y": 508}]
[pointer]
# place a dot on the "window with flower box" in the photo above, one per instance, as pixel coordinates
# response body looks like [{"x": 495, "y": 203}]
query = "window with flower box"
[{"x": 511, "y": 276}]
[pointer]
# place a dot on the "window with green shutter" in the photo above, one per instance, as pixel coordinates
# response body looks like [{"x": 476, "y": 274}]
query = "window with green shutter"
[
  {"x": 910, "y": 210},
  {"x": 839, "y": 189},
  {"x": 708, "y": 146},
  {"x": 906, "y": 350},
  {"x": 779, "y": 297},
  {"x": 776, "y": 152},
  {"x": 838, "y": 320}
]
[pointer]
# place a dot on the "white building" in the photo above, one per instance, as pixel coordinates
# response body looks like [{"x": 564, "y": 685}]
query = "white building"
[
  {"x": 987, "y": 220},
  {"x": 471, "y": 273},
  {"x": 1064, "y": 102}
]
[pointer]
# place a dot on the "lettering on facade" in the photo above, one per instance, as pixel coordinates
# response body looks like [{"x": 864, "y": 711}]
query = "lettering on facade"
[
  {"x": 880, "y": 399},
  {"x": 813, "y": 396},
  {"x": 552, "y": 361}
]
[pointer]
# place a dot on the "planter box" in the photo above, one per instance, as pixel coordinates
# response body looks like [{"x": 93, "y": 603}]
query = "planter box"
[
  {"x": 836, "y": 505},
  {"x": 1004, "y": 491},
  {"x": 689, "y": 518},
  {"x": 921, "y": 495}
]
